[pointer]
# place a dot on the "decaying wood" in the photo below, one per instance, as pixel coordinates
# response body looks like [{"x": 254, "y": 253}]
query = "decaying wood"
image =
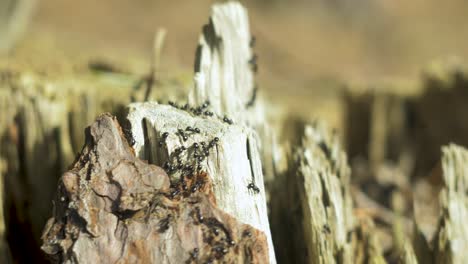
[
  {"x": 451, "y": 240},
  {"x": 224, "y": 82},
  {"x": 42, "y": 117},
  {"x": 225, "y": 68},
  {"x": 317, "y": 208},
  {"x": 222, "y": 71},
  {"x": 367, "y": 248},
  {"x": 407, "y": 255},
  {"x": 233, "y": 163},
  {"x": 112, "y": 207}
]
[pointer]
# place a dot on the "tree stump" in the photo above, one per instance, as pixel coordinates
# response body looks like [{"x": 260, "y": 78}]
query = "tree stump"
[
  {"x": 451, "y": 240},
  {"x": 112, "y": 207}
]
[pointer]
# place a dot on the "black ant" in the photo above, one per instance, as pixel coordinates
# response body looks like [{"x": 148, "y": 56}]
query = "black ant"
[
  {"x": 199, "y": 216},
  {"x": 253, "y": 63},
  {"x": 253, "y": 60},
  {"x": 231, "y": 242},
  {"x": 194, "y": 130},
  {"x": 164, "y": 224},
  {"x": 252, "y": 41},
  {"x": 220, "y": 250},
  {"x": 182, "y": 134},
  {"x": 164, "y": 137},
  {"x": 194, "y": 254},
  {"x": 253, "y": 187},
  {"x": 252, "y": 100},
  {"x": 205, "y": 104},
  {"x": 227, "y": 120}
]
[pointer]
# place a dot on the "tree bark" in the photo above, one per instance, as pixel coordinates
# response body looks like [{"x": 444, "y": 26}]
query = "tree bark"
[{"x": 112, "y": 207}]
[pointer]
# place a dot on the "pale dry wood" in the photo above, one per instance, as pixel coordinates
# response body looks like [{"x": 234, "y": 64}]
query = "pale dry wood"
[
  {"x": 232, "y": 165},
  {"x": 324, "y": 196},
  {"x": 313, "y": 202},
  {"x": 407, "y": 255},
  {"x": 224, "y": 78},
  {"x": 367, "y": 248},
  {"x": 225, "y": 68},
  {"x": 451, "y": 240},
  {"x": 222, "y": 73}
]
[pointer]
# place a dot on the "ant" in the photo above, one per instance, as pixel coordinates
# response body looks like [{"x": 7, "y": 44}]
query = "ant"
[
  {"x": 191, "y": 129},
  {"x": 227, "y": 120},
  {"x": 164, "y": 137},
  {"x": 253, "y": 187},
  {"x": 205, "y": 104},
  {"x": 194, "y": 254},
  {"x": 252, "y": 41},
  {"x": 252, "y": 100},
  {"x": 164, "y": 224},
  {"x": 199, "y": 216},
  {"x": 253, "y": 60},
  {"x": 183, "y": 135},
  {"x": 253, "y": 63}
]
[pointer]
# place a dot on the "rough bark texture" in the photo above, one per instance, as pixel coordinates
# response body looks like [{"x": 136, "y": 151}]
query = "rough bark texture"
[
  {"x": 112, "y": 207},
  {"x": 451, "y": 241}
]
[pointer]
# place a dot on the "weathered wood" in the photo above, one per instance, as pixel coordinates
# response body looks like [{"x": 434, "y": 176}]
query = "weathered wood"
[
  {"x": 313, "y": 202},
  {"x": 366, "y": 245},
  {"x": 224, "y": 78},
  {"x": 41, "y": 119},
  {"x": 112, "y": 207},
  {"x": 407, "y": 255},
  {"x": 233, "y": 163},
  {"x": 451, "y": 241},
  {"x": 222, "y": 72},
  {"x": 225, "y": 68}
]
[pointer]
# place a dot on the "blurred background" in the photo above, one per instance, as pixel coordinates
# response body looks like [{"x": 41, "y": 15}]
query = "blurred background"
[
  {"x": 363, "y": 66},
  {"x": 299, "y": 41}
]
